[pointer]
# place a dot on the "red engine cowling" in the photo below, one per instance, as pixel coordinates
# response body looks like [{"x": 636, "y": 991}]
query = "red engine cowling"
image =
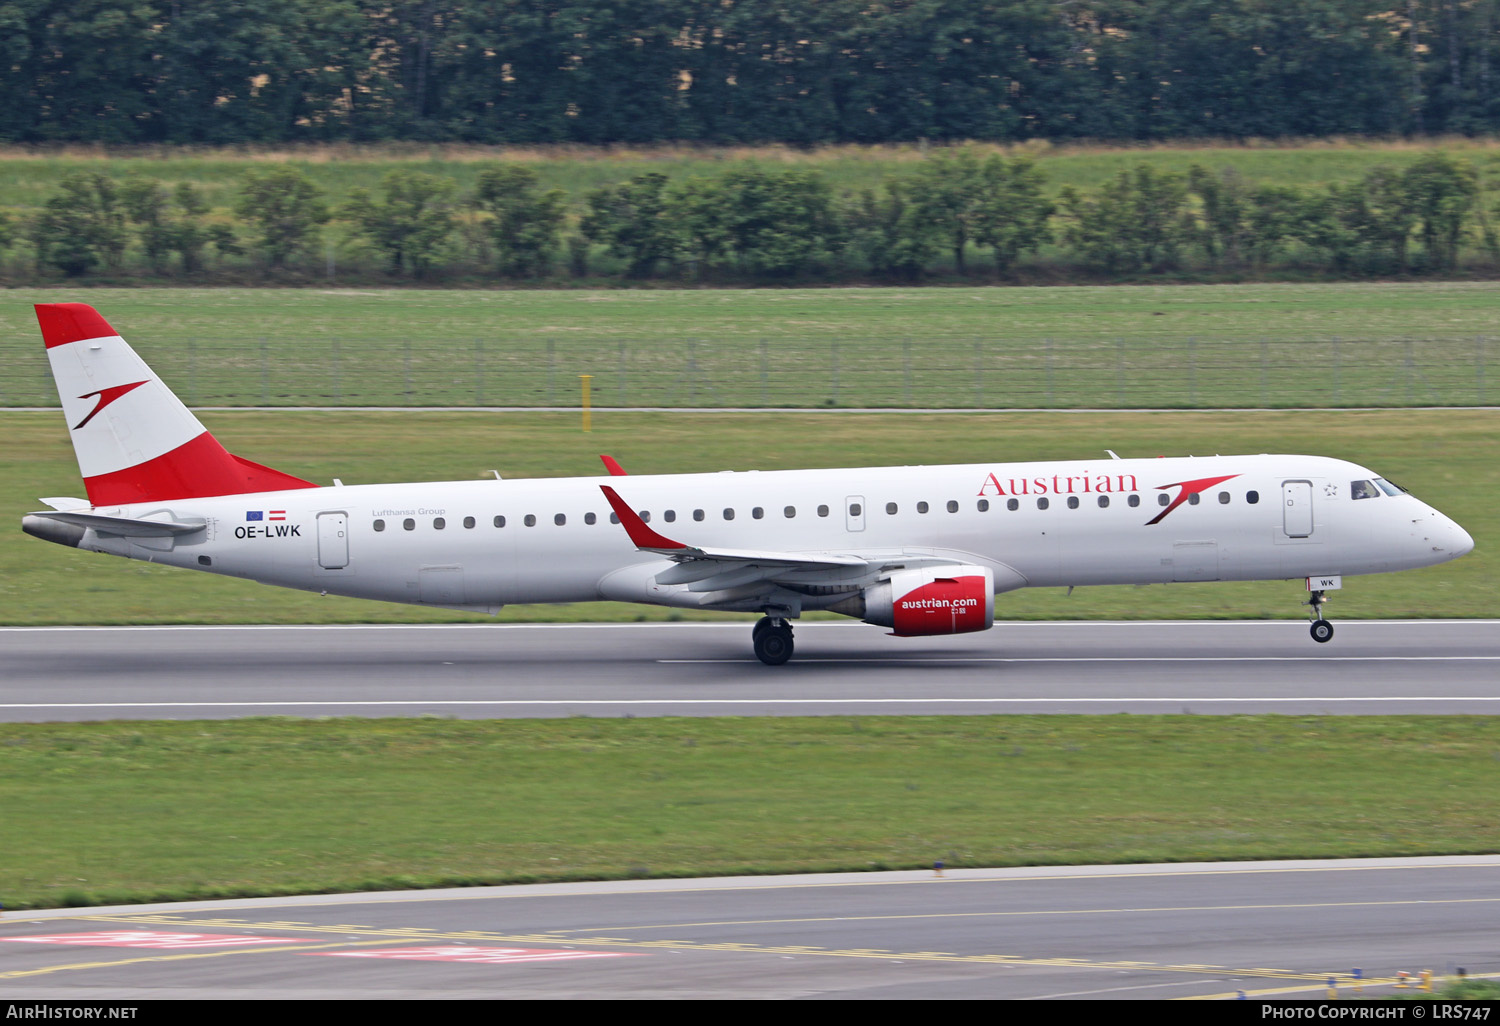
[{"x": 933, "y": 600}]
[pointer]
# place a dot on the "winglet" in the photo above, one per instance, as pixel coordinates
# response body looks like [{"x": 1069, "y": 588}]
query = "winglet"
[
  {"x": 640, "y": 534},
  {"x": 613, "y": 466}
]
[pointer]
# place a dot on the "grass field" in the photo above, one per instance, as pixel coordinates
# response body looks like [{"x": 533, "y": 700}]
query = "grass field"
[
  {"x": 28, "y": 176},
  {"x": 1367, "y": 344},
  {"x": 1450, "y": 458},
  {"x": 119, "y": 812}
]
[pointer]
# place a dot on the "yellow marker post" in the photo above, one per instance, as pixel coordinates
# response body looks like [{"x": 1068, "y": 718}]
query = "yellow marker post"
[{"x": 586, "y": 379}]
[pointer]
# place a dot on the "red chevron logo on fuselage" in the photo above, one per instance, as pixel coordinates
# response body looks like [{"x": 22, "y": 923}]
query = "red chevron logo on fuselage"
[
  {"x": 1189, "y": 489},
  {"x": 106, "y": 396}
]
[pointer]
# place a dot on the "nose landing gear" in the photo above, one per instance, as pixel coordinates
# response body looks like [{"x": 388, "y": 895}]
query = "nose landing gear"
[
  {"x": 772, "y": 638},
  {"x": 1322, "y": 630}
]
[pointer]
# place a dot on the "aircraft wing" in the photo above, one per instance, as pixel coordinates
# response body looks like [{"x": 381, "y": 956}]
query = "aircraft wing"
[{"x": 722, "y": 575}]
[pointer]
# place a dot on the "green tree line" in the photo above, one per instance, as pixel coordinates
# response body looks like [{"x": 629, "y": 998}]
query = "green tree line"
[
  {"x": 802, "y": 72},
  {"x": 961, "y": 212}
]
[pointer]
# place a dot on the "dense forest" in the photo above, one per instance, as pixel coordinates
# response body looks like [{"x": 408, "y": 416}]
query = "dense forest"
[{"x": 742, "y": 71}]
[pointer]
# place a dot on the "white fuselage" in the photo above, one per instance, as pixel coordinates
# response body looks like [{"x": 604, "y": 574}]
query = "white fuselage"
[{"x": 438, "y": 543}]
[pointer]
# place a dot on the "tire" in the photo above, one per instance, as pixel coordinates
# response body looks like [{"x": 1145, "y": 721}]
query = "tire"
[
  {"x": 1322, "y": 631},
  {"x": 773, "y": 646}
]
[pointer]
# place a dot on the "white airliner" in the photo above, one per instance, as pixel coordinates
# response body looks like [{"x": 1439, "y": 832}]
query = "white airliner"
[{"x": 921, "y": 550}]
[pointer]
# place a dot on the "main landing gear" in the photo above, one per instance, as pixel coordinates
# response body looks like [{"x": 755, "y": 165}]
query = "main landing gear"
[
  {"x": 772, "y": 638},
  {"x": 1322, "y": 630}
]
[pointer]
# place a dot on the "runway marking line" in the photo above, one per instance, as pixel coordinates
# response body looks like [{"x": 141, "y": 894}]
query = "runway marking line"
[
  {"x": 482, "y": 956},
  {"x": 149, "y": 939},
  {"x": 394, "y": 935},
  {"x": 292, "y": 947},
  {"x": 1277, "y": 906}
]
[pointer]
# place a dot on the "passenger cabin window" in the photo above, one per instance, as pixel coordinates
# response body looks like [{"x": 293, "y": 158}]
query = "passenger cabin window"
[
  {"x": 614, "y": 518},
  {"x": 1133, "y": 501},
  {"x": 380, "y": 525},
  {"x": 645, "y": 515},
  {"x": 1363, "y": 490},
  {"x": 1223, "y": 498},
  {"x": 469, "y": 522},
  {"x": 1252, "y": 497},
  {"x": 729, "y": 514},
  {"x": 891, "y": 508},
  {"x": 408, "y": 524},
  {"x": 1042, "y": 503},
  {"x": 530, "y": 520},
  {"x": 499, "y": 521},
  {"x": 952, "y": 506},
  {"x": 789, "y": 512},
  {"x": 855, "y": 509},
  {"x": 697, "y": 514},
  {"x": 1072, "y": 502},
  {"x": 984, "y": 505},
  {"x": 921, "y": 507},
  {"x": 1162, "y": 500},
  {"x": 670, "y": 516},
  {"x": 1194, "y": 499},
  {"x": 1012, "y": 504},
  {"x": 560, "y": 519},
  {"x": 1104, "y": 502},
  {"x": 822, "y": 511},
  {"x": 590, "y": 519},
  {"x": 758, "y": 513},
  {"x": 438, "y": 523}
]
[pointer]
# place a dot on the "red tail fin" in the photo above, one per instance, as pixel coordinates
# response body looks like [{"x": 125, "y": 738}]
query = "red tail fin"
[{"x": 135, "y": 440}]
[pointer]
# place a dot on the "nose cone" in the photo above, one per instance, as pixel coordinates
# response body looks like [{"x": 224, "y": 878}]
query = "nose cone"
[
  {"x": 1460, "y": 542},
  {"x": 1442, "y": 537}
]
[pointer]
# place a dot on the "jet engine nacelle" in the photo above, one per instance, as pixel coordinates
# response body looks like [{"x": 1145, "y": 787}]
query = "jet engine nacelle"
[{"x": 933, "y": 600}]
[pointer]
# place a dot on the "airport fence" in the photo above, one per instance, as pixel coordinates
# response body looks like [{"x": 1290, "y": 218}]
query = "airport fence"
[{"x": 946, "y": 373}]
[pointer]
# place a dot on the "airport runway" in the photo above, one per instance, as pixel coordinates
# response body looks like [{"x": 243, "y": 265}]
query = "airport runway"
[
  {"x": 490, "y": 671},
  {"x": 1270, "y": 930}
]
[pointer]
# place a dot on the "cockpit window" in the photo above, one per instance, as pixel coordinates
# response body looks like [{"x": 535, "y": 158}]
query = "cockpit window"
[
  {"x": 1388, "y": 488},
  {"x": 1363, "y": 490}
]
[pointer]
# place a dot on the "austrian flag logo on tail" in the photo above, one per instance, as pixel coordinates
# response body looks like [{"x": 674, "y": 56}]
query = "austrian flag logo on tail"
[
  {"x": 106, "y": 396},
  {"x": 1189, "y": 489}
]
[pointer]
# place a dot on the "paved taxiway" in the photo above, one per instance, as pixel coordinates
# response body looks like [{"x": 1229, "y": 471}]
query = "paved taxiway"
[
  {"x": 1170, "y": 931},
  {"x": 683, "y": 669}
]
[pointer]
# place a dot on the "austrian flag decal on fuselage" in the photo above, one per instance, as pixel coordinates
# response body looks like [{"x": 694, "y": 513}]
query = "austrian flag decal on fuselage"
[{"x": 260, "y": 514}]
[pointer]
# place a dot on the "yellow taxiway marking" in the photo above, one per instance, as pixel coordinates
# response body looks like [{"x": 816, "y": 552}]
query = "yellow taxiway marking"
[
  {"x": 1346, "y": 985},
  {"x": 1048, "y": 912},
  {"x": 399, "y": 934},
  {"x": 294, "y": 948}
]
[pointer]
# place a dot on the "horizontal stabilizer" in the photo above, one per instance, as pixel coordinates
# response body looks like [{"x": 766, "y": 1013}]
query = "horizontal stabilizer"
[{"x": 127, "y": 527}]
